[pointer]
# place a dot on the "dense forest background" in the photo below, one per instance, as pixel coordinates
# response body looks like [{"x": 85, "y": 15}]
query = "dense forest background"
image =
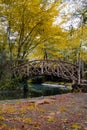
[{"x": 41, "y": 29}]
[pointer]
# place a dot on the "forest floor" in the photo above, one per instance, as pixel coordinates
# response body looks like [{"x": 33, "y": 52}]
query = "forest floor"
[{"x": 60, "y": 112}]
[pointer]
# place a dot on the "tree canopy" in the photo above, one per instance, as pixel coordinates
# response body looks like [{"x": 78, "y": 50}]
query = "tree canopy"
[{"x": 28, "y": 30}]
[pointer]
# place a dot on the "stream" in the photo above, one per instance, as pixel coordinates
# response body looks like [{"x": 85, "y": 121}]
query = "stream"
[{"x": 35, "y": 90}]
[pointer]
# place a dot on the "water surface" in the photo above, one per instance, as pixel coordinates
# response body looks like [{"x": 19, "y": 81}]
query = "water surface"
[{"x": 34, "y": 90}]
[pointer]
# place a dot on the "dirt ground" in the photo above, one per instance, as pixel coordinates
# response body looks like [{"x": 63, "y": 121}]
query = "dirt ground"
[{"x": 60, "y": 112}]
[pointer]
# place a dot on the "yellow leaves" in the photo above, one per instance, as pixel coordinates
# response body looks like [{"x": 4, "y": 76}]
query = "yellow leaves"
[
  {"x": 27, "y": 120},
  {"x": 2, "y": 118},
  {"x": 36, "y": 2},
  {"x": 36, "y": 125},
  {"x": 18, "y": 119},
  {"x": 35, "y": 55},
  {"x": 13, "y": 129},
  {"x": 25, "y": 108},
  {"x": 64, "y": 120},
  {"x": 2, "y": 126},
  {"x": 83, "y": 54},
  {"x": 23, "y": 15},
  {"x": 76, "y": 126},
  {"x": 31, "y": 107},
  {"x": 72, "y": 103},
  {"x": 10, "y": 109},
  {"x": 22, "y": 110},
  {"x": 63, "y": 108},
  {"x": 23, "y": 119},
  {"x": 51, "y": 119},
  {"x": 33, "y": 18},
  {"x": 13, "y": 109}
]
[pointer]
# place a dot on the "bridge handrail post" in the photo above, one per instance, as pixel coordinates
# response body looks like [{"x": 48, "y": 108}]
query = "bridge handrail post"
[
  {"x": 42, "y": 67},
  {"x": 58, "y": 71},
  {"x": 27, "y": 69}
]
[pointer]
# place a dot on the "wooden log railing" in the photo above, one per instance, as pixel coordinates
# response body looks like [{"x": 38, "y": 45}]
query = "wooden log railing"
[{"x": 47, "y": 67}]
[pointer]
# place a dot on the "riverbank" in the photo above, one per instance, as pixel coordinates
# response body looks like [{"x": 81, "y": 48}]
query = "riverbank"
[{"x": 59, "y": 112}]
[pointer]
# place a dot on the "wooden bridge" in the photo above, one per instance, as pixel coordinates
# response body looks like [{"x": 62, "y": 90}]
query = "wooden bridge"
[{"x": 47, "y": 67}]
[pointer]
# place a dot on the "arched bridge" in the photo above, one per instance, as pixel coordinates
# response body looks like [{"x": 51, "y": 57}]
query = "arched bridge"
[{"x": 47, "y": 67}]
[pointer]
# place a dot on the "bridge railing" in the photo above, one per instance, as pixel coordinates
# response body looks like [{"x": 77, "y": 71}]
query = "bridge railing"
[{"x": 47, "y": 67}]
